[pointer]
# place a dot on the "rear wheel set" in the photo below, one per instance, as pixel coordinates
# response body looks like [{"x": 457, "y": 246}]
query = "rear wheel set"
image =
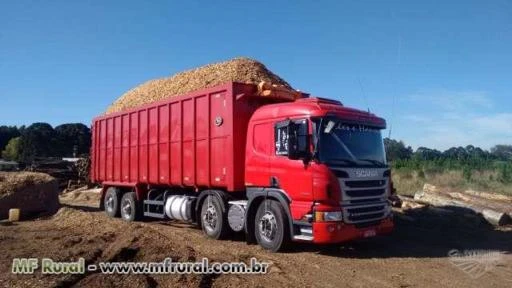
[
  {"x": 131, "y": 209},
  {"x": 111, "y": 202},
  {"x": 125, "y": 205}
]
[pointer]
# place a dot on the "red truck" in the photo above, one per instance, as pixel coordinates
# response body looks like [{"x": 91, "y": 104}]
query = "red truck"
[{"x": 277, "y": 168}]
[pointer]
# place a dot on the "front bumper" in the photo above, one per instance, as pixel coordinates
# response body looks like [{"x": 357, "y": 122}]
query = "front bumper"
[{"x": 337, "y": 232}]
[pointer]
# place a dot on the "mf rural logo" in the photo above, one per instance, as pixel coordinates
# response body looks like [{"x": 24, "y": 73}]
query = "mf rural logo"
[{"x": 476, "y": 263}]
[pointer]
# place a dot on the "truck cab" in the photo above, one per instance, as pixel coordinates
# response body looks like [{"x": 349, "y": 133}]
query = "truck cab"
[{"x": 326, "y": 165}]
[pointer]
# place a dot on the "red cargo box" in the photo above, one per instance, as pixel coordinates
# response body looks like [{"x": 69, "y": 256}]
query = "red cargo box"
[{"x": 194, "y": 140}]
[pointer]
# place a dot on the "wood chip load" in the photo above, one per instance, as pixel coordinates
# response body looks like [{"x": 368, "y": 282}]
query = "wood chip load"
[{"x": 242, "y": 70}]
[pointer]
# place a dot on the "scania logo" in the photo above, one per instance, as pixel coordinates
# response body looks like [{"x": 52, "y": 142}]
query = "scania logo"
[{"x": 366, "y": 173}]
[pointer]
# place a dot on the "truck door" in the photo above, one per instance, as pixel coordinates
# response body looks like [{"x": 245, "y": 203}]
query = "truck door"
[{"x": 293, "y": 176}]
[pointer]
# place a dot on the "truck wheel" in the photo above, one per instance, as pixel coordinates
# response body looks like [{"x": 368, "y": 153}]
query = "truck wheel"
[
  {"x": 130, "y": 208},
  {"x": 111, "y": 202},
  {"x": 213, "y": 220},
  {"x": 271, "y": 227}
]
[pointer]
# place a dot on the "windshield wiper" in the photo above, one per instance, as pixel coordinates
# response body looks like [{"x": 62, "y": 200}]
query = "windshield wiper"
[{"x": 373, "y": 161}]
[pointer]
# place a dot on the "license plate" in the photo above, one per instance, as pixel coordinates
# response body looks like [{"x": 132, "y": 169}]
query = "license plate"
[{"x": 369, "y": 233}]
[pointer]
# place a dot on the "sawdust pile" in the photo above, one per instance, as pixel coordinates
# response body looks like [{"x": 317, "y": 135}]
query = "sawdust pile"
[
  {"x": 68, "y": 217},
  {"x": 31, "y": 192},
  {"x": 242, "y": 70},
  {"x": 81, "y": 195}
]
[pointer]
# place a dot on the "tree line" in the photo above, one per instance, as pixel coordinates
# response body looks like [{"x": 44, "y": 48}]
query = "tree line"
[
  {"x": 397, "y": 150},
  {"x": 39, "y": 140},
  {"x": 468, "y": 159}
]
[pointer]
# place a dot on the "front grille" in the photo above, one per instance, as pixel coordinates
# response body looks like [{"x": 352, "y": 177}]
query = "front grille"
[
  {"x": 366, "y": 217},
  {"x": 357, "y": 210},
  {"x": 366, "y": 193},
  {"x": 364, "y": 199},
  {"x": 355, "y": 189},
  {"x": 365, "y": 213},
  {"x": 361, "y": 201},
  {"x": 365, "y": 184}
]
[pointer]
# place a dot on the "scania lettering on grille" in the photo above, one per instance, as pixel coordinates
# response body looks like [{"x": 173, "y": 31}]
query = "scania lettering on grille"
[{"x": 360, "y": 173}]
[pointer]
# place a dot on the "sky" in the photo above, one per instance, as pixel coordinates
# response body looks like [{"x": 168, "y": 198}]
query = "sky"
[{"x": 439, "y": 72}]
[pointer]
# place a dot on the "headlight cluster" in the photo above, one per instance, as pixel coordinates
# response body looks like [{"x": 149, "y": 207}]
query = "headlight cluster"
[{"x": 329, "y": 216}]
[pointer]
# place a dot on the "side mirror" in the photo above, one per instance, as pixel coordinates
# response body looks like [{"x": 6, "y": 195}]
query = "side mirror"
[{"x": 292, "y": 139}]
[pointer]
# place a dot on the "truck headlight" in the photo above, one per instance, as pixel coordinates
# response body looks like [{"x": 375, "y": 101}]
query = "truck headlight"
[{"x": 329, "y": 216}]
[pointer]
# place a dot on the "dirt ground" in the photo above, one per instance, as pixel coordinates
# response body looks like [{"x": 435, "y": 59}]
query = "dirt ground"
[{"x": 415, "y": 255}]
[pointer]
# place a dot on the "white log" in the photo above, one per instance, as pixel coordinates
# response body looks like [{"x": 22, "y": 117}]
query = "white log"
[
  {"x": 492, "y": 216},
  {"x": 490, "y": 196}
]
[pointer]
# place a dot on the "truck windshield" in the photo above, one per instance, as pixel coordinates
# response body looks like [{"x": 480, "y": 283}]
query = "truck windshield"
[{"x": 347, "y": 144}]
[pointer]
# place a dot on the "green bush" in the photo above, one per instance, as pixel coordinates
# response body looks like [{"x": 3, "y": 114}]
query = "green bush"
[
  {"x": 505, "y": 173},
  {"x": 466, "y": 173},
  {"x": 12, "y": 150}
]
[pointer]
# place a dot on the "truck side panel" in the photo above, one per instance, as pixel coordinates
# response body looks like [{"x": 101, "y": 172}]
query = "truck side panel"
[
  {"x": 175, "y": 165},
  {"x": 185, "y": 141},
  {"x": 153, "y": 145},
  {"x": 134, "y": 144},
  {"x": 143, "y": 147},
  {"x": 125, "y": 147},
  {"x": 117, "y": 161},
  {"x": 110, "y": 149},
  {"x": 202, "y": 140},
  {"x": 219, "y": 134},
  {"x": 188, "y": 143},
  {"x": 163, "y": 144},
  {"x": 100, "y": 146}
]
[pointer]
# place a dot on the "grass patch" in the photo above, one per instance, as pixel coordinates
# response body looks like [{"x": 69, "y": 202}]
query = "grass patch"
[{"x": 408, "y": 181}]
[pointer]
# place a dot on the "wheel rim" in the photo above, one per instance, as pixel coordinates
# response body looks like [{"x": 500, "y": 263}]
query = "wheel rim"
[
  {"x": 210, "y": 217},
  {"x": 127, "y": 208},
  {"x": 109, "y": 203},
  {"x": 268, "y": 226}
]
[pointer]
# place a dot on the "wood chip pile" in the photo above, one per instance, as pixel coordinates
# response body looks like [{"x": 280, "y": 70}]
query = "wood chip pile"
[
  {"x": 31, "y": 192},
  {"x": 242, "y": 70}
]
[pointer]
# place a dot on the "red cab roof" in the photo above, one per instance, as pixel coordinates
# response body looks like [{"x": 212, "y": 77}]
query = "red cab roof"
[{"x": 317, "y": 107}]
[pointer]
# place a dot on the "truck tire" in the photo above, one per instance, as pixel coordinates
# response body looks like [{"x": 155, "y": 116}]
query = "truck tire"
[
  {"x": 213, "y": 220},
  {"x": 111, "y": 202},
  {"x": 129, "y": 207},
  {"x": 271, "y": 226}
]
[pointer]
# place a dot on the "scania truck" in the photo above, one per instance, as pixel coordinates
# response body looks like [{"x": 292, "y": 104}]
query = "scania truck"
[{"x": 277, "y": 166}]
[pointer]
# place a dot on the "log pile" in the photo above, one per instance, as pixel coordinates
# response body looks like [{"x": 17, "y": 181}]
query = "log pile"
[
  {"x": 242, "y": 70},
  {"x": 82, "y": 166},
  {"x": 495, "y": 209}
]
